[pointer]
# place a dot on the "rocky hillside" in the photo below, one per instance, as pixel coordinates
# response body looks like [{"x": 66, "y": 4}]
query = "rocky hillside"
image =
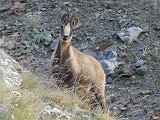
[{"x": 125, "y": 33}]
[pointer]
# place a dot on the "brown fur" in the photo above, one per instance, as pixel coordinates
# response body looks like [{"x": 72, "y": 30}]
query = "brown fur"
[{"x": 86, "y": 71}]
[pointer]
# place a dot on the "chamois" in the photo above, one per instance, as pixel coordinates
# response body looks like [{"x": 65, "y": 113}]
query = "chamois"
[{"x": 87, "y": 71}]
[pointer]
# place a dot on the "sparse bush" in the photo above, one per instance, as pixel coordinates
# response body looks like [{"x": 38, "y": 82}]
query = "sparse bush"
[
  {"x": 153, "y": 4},
  {"x": 148, "y": 58},
  {"x": 41, "y": 37},
  {"x": 132, "y": 56},
  {"x": 155, "y": 55}
]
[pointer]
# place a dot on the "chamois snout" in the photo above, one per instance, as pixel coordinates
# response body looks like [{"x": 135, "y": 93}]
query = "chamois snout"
[
  {"x": 65, "y": 37},
  {"x": 68, "y": 26}
]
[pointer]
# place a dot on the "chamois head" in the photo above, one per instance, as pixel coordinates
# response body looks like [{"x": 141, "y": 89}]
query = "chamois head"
[{"x": 68, "y": 26}]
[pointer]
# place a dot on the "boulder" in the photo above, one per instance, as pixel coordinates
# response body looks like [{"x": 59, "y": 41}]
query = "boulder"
[
  {"x": 130, "y": 34},
  {"x": 9, "y": 71}
]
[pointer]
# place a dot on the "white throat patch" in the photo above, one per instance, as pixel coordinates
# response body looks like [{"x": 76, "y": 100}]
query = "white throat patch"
[{"x": 67, "y": 30}]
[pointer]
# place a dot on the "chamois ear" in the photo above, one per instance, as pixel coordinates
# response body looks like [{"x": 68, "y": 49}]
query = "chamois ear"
[
  {"x": 74, "y": 21},
  {"x": 64, "y": 18}
]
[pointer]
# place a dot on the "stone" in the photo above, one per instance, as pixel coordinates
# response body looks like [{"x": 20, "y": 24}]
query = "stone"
[
  {"x": 100, "y": 56},
  {"x": 4, "y": 8},
  {"x": 158, "y": 34},
  {"x": 18, "y": 7},
  {"x": 146, "y": 29},
  {"x": 142, "y": 70},
  {"x": 110, "y": 54},
  {"x": 9, "y": 42},
  {"x": 66, "y": 3},
  {"x": 9, "y": 71},
  {"x": 145, "y": 92},
  {"x": 128, "y": 71},
  {"x": 156, "y": 44},
  {"x": 134, "y": 32},
  {"x": 122, "y": 108},
  {"x": 4, "y": 106},
  {"x": 108, "y": 60},
  {"x": 39, "y": 7},
  {"x": 130, "y": 34},
  {"x": 54, "y": 43},
  {"x": 123, "y": 36},
  {"x": 122, "y": 47},
  {"x": 108, "y": 66},
  {"x": 139, "y": 63},
  {"x": 155, "y": 117},
  {"x": 108, "y": 4},
  {"x": 122, "y": 21},
  {"x": 97, "y": 15}
]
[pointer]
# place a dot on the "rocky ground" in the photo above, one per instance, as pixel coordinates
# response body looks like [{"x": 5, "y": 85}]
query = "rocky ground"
[{"x": 25, "y": 29}]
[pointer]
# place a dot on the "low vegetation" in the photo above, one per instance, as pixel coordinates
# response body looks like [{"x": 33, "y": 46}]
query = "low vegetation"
[
  {"x": 154, "y": 4},
  {"x": 155, "y": 55},
  {"x": 38, "y": 37},
  {"x": 29, "y": 100}
]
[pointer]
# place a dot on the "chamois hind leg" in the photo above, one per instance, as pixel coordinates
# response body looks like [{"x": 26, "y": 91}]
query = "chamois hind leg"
[{"x": 100, "y": 94}]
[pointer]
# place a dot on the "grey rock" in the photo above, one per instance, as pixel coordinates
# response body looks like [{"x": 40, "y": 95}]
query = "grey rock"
[
  {"x": 131, "y": 34},
  {"x": 122, "y": 47},
  {"x": 108, "y": 60},
  {"x": 108, "y": 66},
  {"x": 123, "y": 36},
  {"x": 9, "y": 42},
  {"x": 86, "y": 117},
  {"x": 146, "y": 29},
  {"x": 125, "y": 118},
  {"x": 110, "y": 54},
  {"x": 128, "y": 71},
  {"x": 54, "y": 44},
  {"x": 145, "y": 92},
  {"x": 100, "y": 56},
  {"x": 66, "y": 3},
  {"x": 108, "y": 4},
  {"x": 4, "y": 8},
  {"x": 4, "y": 107},
  {"x": 122, "y": 21},
  {"x": 158, "y": 34},
  {"x": 157, "y": 26},
  {"x": 139, "y": 63},
  {"x": 134, "y": 32},
  {"x": 142, "y": 70},
  {"x": 40, "y": 7},
  {"x": 97, "y": 15},
  {"x": 9, "y": 71}
]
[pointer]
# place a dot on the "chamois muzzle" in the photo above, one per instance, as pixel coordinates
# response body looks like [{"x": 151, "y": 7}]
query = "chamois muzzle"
[
  {"x": 65, "y": 37},
  {"x": 68, "y": 24}
]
